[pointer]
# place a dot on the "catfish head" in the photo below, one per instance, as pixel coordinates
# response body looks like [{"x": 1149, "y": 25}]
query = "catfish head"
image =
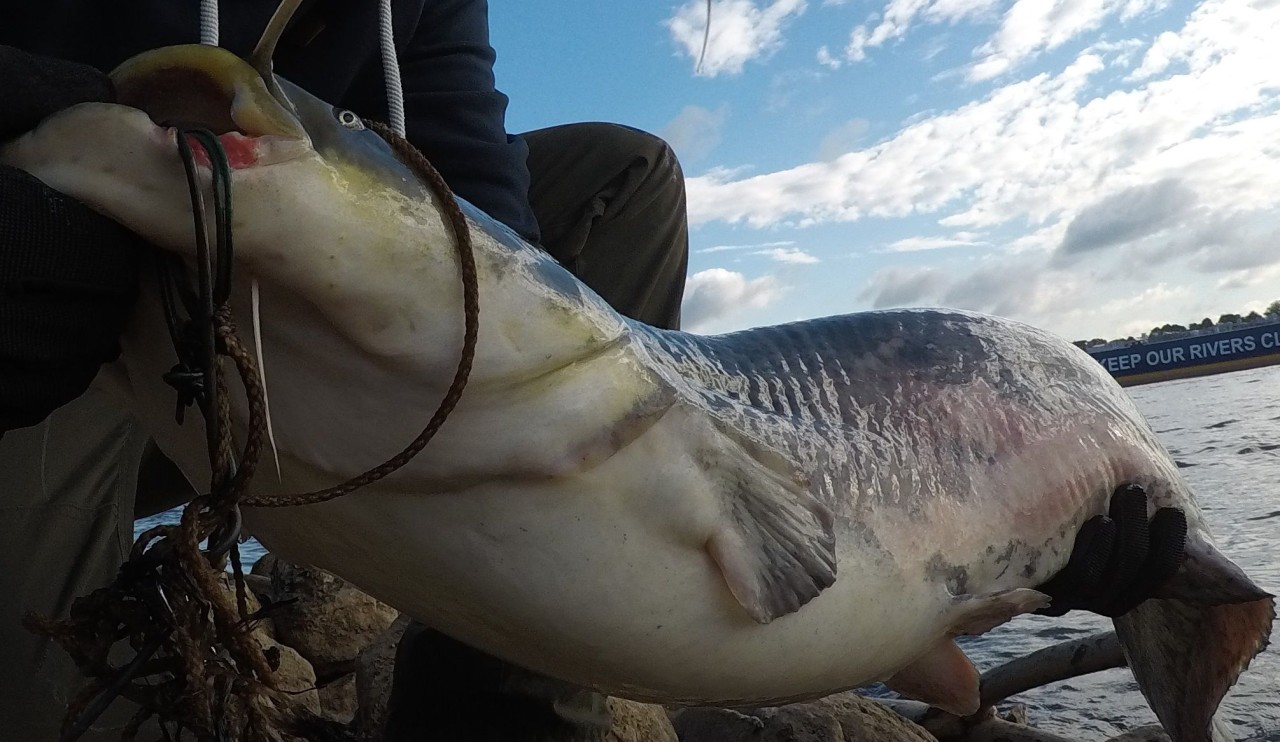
[
  {"x": 309, "y": 179},
  {"x": 355, "y": 258}
]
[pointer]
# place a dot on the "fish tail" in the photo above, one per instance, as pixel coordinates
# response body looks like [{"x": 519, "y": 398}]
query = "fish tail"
[{"x": 1188, "y": 647}]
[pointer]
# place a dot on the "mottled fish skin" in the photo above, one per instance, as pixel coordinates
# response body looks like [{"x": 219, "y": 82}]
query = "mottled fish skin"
[
  {"x": 904, "y": 410},
  {"x": 907, "y": 409}
]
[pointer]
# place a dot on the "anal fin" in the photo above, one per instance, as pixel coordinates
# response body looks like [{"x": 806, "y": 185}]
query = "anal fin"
[{"x": 944, "y": 677}]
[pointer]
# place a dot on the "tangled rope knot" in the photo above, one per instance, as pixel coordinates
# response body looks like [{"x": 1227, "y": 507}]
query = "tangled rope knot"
[{"x": 196, "y": 663}]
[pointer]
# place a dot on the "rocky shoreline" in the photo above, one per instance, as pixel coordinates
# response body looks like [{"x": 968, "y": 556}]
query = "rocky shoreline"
[{"x": 336, "y": 646}]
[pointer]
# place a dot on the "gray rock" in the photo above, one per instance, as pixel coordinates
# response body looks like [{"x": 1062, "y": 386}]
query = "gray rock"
[
  {"x": 720, "y": 725},
  {"x": 251, "y": 597},
  {"x": 294, "y": 675},
  {"x": 863, "y": 719},
  {"x": 375, "y": 667},
  {"x": 801, "y": 722},
  {"x": 253, "y": 601},
  {"x": 264, "y": 566},
  {"x": 844, "y": 717},
  {"x": 338, "y": 700},
  {"x": 329, "y": 621},
  {"x": 794, "y": 723},
  {"x": 639, "y": 722}
]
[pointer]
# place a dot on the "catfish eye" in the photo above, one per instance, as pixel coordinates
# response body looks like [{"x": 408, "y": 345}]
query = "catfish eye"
[{"x": 348, "y": 119}]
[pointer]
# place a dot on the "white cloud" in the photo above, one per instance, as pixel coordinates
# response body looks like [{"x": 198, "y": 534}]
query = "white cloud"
[
  {"x": 899, "y": 15},
  {"x": 1157, "y": 305},
  {"x": 741, "y": 31},
  {"x": 1026, "y": 29},
  {"x": 898, "y": 286},
  {"x": 695, "y": 131},
  {"x": 917, "y": 244},
  {"x": 716, "y": 294},
  {"x": 1158, "y": 56},
  {"x": 757, "y": 246},
  {"x": 1120, "y": 53},
  {"x": 827, "y": 59},
  {"x": 1034, "y": 26},
  {"x": 842, "y": 139},
  {"x": 1111, "y": 300},
  {"x": 1150, "y": 160},
  {"x": 1037, "y": 152},
  {"x": 930, "y": 164},
  {"x": 1009, "y": 287},
  {"x": 789, "y": 255},
  {"x": 1127, "y": 215},
  {"x": 1212, "y": 32},
  {"x": 1268, "y": 276}
]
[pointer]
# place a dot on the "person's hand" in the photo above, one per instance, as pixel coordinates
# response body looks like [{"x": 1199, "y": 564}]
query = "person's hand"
[
  {"x": 68, "y": 275},
  {"x": 1119, "y": 560},
  {"x": 34, "y": 87}
]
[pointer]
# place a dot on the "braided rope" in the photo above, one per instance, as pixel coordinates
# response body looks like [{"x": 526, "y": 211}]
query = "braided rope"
[
  {"x": 471, "y": 313},
  {"x": 197, "y": 664}
]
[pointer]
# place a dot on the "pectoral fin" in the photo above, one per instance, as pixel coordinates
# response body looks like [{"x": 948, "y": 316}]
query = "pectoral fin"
[
  {"x": 943, "y": 677},
  {"x": 776, "y": 547}
]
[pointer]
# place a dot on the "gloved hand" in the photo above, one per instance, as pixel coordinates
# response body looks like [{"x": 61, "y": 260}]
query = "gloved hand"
[
  {"x": 68, "y": 275},
  {"x": 1119, "y": 560}
]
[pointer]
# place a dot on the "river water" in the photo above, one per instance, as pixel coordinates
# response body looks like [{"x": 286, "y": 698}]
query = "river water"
[{"x": 1224, "y": 431}]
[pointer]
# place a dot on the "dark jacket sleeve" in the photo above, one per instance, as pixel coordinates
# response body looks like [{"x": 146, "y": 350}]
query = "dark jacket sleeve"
[
  {"x": 454, "y": 113},
  {"x": 456, "y": 116}
]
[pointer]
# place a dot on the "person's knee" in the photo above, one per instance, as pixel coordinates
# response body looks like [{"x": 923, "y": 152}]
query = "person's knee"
[
  {"x": 667, "y": 165},
  {"x": 632, "y": 144},
  {"x": 656, "y": 151}
]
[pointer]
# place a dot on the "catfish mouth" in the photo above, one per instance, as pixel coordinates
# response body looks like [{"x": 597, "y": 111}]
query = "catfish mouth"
[{"x": 205, "y": 87}]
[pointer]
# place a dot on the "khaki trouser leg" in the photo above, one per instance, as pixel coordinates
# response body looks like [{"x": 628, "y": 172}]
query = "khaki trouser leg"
[
  {"x": 611, "y": 205},
  {"x": 66, "y": 524}
]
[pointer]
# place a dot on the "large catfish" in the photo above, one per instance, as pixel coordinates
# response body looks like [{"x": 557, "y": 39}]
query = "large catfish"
[{"x": 768, "y": 515}]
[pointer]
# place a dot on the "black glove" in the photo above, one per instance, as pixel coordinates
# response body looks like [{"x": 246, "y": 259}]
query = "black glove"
[
  {"x": 68, "y": 275},
  {"x": 1119, "y": 560}
]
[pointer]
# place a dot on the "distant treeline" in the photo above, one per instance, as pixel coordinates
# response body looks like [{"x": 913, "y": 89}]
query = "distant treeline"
[{"x": 1227, "y": 319}]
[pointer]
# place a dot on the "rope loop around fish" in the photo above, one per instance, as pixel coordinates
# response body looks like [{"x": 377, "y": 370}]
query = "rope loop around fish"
[
  {"x": 197, "y": 664},
  {"x": 471, "y": 314}
]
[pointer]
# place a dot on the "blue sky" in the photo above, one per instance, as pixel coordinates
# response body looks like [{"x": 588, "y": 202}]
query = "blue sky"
[{"x": 1095, "y": 167}]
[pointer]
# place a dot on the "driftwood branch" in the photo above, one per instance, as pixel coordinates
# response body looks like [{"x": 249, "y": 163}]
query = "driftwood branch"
[
  {"x": 1063, "y": 661},
  {"x": 995, "y": 729},
  {"x": 984, "y": 726},
  {"x": 1049, "y": 665}
]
